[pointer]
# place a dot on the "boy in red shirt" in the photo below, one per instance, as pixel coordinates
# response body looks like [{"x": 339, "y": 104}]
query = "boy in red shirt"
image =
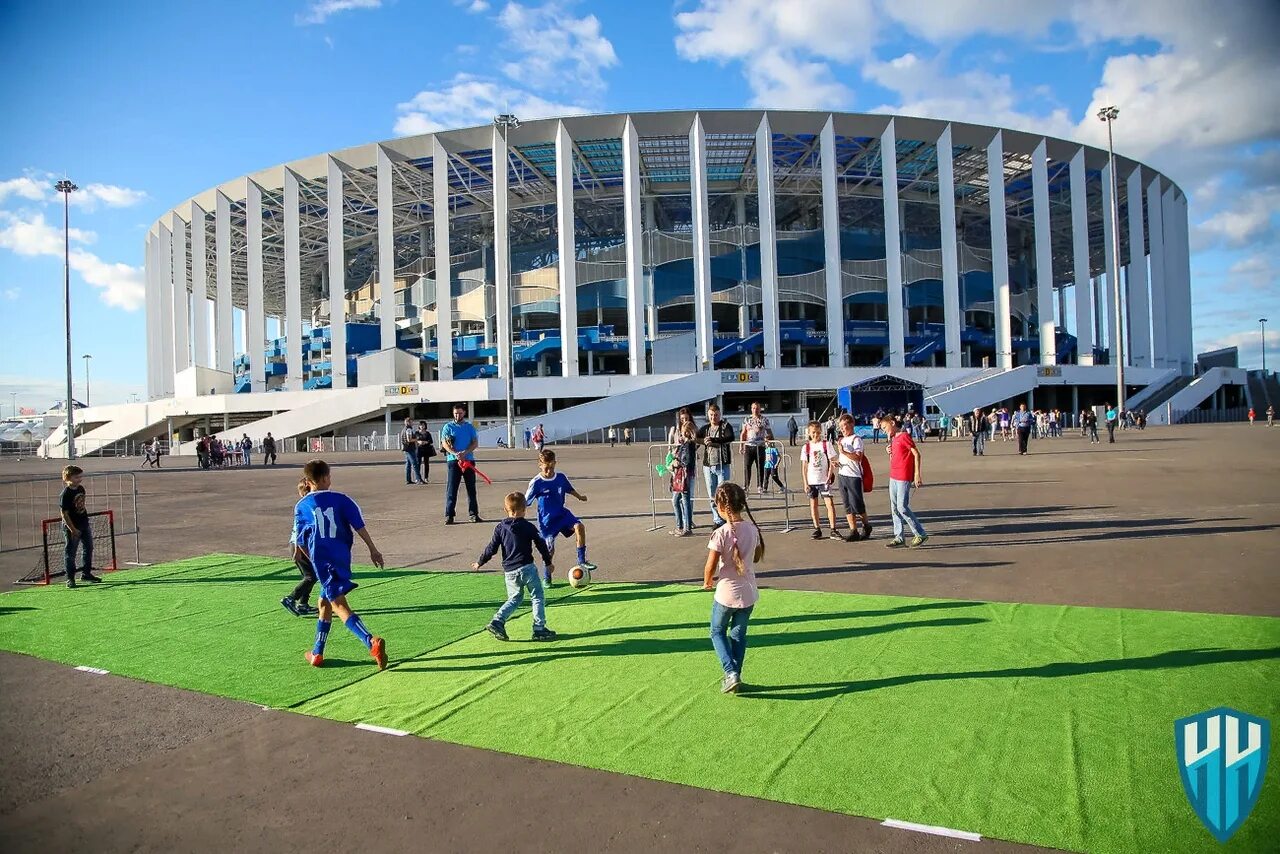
[{"x": 904, "y": 472}]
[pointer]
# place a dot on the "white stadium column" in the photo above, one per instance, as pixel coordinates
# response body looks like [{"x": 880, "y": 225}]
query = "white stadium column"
[
  {"x": 255, "y": 339},
  {"x": 199, "y": 287},
  {"x": 337, "y": 276},
  {"x": 224, "y": 335},
  {"x": 1044, "y": 253},
  {"x": 566, "y": 224},
  {"x": 292, "y": 283},
  {"x": 149, "y": 294},
  {"x": 999, "y": 251},
  {"x": 836, "y": 349},
  {"x": 1182, "y": 262},
  {"x": 893, "y": 246},
  {"x": 164, "y": 273},
  {"x": 1080, "y": 253},
  {"x": 1159, "y": 334},
  {"x": 1139, "y": 303},
  {"x": 1168, "y": 214},
  {"x": 502, "y": 251},
  {"x": 444, "y": 272},
  {"x": 181, "y": 302},
  {"x": 950, "y": 255},
  {"x": 703, "y": 331},
  {"x": 634, "y": 240},
  {"x": 1107, "y": 309},
  {"x": 386, "y": 252},
  {"x": 768, "y": 246}
]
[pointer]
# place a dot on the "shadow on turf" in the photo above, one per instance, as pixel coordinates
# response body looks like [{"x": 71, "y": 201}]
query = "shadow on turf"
[
  {"x": 876, "y": 566},
  {"x": 1159, "y": 661},
  {"x": 1137, "y": 529}
]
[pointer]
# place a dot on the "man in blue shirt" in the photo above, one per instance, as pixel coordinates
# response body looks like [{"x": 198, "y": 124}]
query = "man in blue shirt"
[
  {"x": 1113, "y": 418},
  {"x": 459, "y": 440},
  {"x": 1022, "y": 421}
]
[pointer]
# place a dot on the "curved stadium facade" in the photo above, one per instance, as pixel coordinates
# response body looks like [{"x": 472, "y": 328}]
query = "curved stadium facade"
[{"x": 656, "y": 259}]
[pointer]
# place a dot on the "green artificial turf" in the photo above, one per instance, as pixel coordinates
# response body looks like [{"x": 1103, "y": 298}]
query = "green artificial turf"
[{"x": 1040, "y": 724}]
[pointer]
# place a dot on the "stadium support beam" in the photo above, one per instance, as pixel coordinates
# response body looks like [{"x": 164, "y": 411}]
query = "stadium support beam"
[
  {"x": 292, "y": 283},
  {"x": 149, "y": 295},
  {"x": 164, "y": 272},
  {"x": 701, "y": 246},
  {"x": 1180, "y": 330},
  {"x": 1106, "y": 308},
  {"x": 255, "y": 339},
  {"x": 199, "y": 286},
  {"x": 1044, "y": 253},
  {"x": 386, "y": 254},
  {"x": 1139, "y": 303},
  {"x": 502, "y": 251},
  {"x": 950, "y": 260},
  {"x": 566, "y": 225},
  {"x": 181, "y": 302},
  {"x": 223, "y": 334},
  {"x": 999, "y": 251},
  {"x": 837, "y": 351},
  {"x": 1155, "y": 217},
  {"x": 444, "y": 272},
  {"x": 337, "y": 277},
  {"x": 634, "y": 241},
  {"x": 893, "y": 246},
  {"x": 1080, "y": 256},
  {"x": 768, "y": 246}
]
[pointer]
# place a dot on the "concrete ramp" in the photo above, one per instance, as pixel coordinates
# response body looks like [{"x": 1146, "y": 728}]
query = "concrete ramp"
[{"x": 991, "y": 386}]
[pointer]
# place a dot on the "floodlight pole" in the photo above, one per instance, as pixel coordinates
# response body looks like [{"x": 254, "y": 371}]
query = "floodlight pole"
[
  {"x": 1109, "y": 115},
  {"x": 505, "y": 123},
  {"x": 86, "y": 358},
  {"x": 66, "y": 187},
  {"x": 1263, "y": 322}
]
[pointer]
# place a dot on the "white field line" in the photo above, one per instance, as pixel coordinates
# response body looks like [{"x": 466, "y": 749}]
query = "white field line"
[
  {"x": 929, "y": 828},
  {"x": 382, "y": 729},
  {"x": 97, "y": 671}
]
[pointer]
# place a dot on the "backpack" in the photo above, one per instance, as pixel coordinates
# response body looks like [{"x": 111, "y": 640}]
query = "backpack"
[{"x": 868, "y": 476}]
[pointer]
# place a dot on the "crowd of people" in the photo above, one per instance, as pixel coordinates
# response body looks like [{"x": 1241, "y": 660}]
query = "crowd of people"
[{"x": 215, "y": 453}]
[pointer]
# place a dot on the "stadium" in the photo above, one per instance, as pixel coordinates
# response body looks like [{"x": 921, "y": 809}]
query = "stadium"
[{"x": 657, "y": 259}]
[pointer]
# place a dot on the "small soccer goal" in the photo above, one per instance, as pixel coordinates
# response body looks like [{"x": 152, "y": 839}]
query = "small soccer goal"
[{"x": 50, "y": 563}]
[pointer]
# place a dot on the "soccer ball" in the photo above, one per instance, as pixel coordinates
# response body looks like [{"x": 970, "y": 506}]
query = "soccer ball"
[{"x": 579, "y": 577}]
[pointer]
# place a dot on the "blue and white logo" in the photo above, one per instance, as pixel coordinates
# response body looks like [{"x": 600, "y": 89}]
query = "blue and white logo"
[{"x": 1222, "y": 757}]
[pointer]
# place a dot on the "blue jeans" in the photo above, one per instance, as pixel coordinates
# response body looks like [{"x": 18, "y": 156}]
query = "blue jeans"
[
  {"x": 517, "y": 581},
  {"x": 85, "y": 540},
  {"x": 245, "y": 456},
  {"x": 979, "y": 441},
  {"x": 729, "y": 635},
  {"x": 900, "y": 508},
  {"x": 456, "y": 475},
  {"x": 714, "y": 476},
  {"x": 412, "y": 467},
  {"x": 683, "y": 504}
]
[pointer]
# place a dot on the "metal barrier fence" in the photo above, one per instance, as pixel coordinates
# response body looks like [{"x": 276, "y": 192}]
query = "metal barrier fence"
[
  {"x": 769, "y": 501},
  {"x": 25, "y": 504},
  {"x": 1214, "y": 416}
]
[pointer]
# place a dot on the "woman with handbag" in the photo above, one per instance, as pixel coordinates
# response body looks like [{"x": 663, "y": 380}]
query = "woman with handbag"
[
  {"x": 426, "y": 450},
  {"x": 685, "y": 454}
]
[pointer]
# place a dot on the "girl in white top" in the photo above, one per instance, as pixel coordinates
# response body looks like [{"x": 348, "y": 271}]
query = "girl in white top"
[
  {"x": 819, "y": 458},
  {"x": 735, "y": 548}
]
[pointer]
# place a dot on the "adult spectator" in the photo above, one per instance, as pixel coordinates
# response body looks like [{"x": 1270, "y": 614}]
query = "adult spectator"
[
  {"x": 905, "y": 471},
  {"x": 716, "y": 437},
  {"x": 539, "y": 438},
  {"x": 1271, "y": 416},
  {"x": 408, "y": 439},
  {"x": 1113, "y": 418},
  {"x": 612, "y": 434},
  {"x": 426, "y": 448},
  {"x": 793, "y": 430},
  {"x": 459, "y": 440},
  {"x": 1089, "y": 425},
  {"x": 979, "y": 425},
  {"x": 269, "y": 450},
  {"x": 683, "y": 417},
  {"x": 246, "y": 450},
  {"x": 202, "y": 453},
  {"x": 1022, "y": 422},
  {"x": 626, "y": 435},
  {"x": 528, "y": 438},
  {"x": 756, "y": 430}
]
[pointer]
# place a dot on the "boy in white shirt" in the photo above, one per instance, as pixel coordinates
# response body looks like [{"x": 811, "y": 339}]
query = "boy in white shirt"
[
  {"x": 849, "y": 477},
  {"x": 818, "y": 458}
]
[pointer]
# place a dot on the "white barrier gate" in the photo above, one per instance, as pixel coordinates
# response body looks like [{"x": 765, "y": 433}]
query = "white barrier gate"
[{"x": 770, "y": 501}]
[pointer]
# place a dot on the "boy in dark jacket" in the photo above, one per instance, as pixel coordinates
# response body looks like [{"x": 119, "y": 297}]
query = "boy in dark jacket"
[{"x": 517, "y": 538}]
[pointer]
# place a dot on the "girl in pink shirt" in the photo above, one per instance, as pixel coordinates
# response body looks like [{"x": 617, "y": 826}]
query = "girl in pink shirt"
[{"x": 735, "y": 548}]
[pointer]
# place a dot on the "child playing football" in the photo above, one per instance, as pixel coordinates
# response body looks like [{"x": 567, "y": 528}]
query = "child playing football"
[
  {"x": 324, "y": 522},
  {"x": 296, "y": 602},
  {"x": 517, "y": 539},
  {"x": 554, "y": 520}
]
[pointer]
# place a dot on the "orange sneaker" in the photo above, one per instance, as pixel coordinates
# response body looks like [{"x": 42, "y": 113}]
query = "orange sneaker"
[
  {"x": 314, "y": 660},
  {"x": 378, "y": 649}
]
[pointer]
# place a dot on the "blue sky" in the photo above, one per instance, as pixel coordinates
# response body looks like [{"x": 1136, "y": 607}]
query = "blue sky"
[{"x": 144, "y": 105}]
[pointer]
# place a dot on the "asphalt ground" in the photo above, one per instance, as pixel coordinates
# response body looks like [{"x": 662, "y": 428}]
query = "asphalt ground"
[{"x": 1180, "y": 518}]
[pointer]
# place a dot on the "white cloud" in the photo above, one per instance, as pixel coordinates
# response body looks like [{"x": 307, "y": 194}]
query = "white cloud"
[
  {"x": 119, "y": 285},
  {"x": 12, "y": 294},
  {"x": 1248, "y": 342},
  {"x": 468, "y": 101},
  {"x": 478, "y": 6},
  {"x": 37, "y": 186},
  {"x": 25, "y": 187},
  {"x": 553, "y": 50},
  {"x": 320, "y": 11},
  {"x": 1249, "y": 216},
  {"x": 89, "y": 196},
  {"x": 954, "y": 19},
  {"x": 40, "y": 393}
]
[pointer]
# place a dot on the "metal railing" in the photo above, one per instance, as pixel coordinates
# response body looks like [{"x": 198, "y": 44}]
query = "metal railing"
[
  {"x": 769, "y": 501},
  {"x": 26, "y": 504},
  {"x": 1213, "y": 416}
]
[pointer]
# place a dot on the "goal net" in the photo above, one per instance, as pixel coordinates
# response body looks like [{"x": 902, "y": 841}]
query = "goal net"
[{"x": 51, "y": 563}]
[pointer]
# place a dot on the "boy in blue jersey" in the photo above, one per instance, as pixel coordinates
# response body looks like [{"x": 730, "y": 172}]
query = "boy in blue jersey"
[
  {"x": 517, "y": 539},
  {"x": 296, "y": 602},
  {"x": 554, "y": 520},
  {"x": 324, "y": 522}
]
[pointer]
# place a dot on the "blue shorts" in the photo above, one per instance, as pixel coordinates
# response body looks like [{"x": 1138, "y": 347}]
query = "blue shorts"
[
  {"x": 334, "y": 581},
  {"x": 559, "y": 525}
]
